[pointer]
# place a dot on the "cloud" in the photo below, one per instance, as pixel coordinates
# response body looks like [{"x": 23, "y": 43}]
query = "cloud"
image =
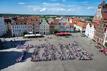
[
  {"x": 59, "y": 8},
  {"x": 71, "y": 9},
  {"x": 43, "y": 9},
  {"x": 52, "y": 4},
  {"x": 21, "y": 3},
  {"x": 56, "y": 9},
  {"x": 34, "y": 8},
  {"x": 90, "y": 7}
]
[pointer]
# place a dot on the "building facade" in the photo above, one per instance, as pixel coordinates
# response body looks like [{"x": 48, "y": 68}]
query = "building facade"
[
  {"x": 89, "y": 31},
  {"x": 99, "y": 33},
  {"x": 64, "y": 25},
  {"x": 80, "y": 26},
  {"x": 36, "y": 28},
  {"x": 52, "y": 25},
  {"x": 44, "y": 27},
  {"x": 2, "y": 26},
  {"x": 105, "y": 38},
  {"x": 100, "y": 22},
  {"x": 18, "y": 25},
  {"x": 20, "y": 29}
]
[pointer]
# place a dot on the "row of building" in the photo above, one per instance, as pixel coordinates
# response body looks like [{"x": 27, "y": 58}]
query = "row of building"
[
  {"x": 97, "y": 30},
  {"x": 21, "y": 24}
]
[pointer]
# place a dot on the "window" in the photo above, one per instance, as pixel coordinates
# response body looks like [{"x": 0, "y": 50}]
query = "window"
[
  {"x": 106, "y": 37},
  {"x": 104, "y": 29}
]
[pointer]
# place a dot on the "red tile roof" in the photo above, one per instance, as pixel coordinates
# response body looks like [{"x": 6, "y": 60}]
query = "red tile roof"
[
  {"x": 27, "y": 20},
  {"x": 104, "y": 16},
  {"x": 81, "y": 24}
]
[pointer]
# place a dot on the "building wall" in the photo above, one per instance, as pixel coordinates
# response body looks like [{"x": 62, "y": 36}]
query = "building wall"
[
  {"x": 105, "y": 38},
  {"x": 98, "y": 15},
  {"x": 89, "y": 31},
  {"x": 78, "y": 28},
  {"x": 99, "y": 33},
  {"x": 18, "y": 30},
  {"x": 64, "y": 25},
  {"x": 100, "y": 20},
  {"x": 36, "y": 28},
  {"x": 61, "y": 27},
  {"x": 52, "y": 28},
  {"x": 2, "y": 26},
  {"x": 44, "y": 28},
  {"x": 69, "y": 28}
]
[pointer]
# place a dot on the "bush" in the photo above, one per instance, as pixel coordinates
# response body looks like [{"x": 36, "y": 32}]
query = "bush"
[{"x": 24, "y": 33}]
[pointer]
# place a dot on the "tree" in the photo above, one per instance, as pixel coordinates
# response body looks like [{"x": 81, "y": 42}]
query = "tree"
[
  {"x": 105, "y": 44},
  {"x": 25, "y": 33}
]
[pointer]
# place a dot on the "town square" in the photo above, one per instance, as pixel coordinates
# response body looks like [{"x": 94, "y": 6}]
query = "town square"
[
  {"x": 53, "y": 35},
  {"x": 74, "y": 64}
]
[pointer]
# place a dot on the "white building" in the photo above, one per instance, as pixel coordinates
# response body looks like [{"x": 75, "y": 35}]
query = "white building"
[
  {"x": 19, "y": 29},
  {"x": 44, "y": 27},
  {"x": 2, "y": 26},
  {"x": 105, "y": 38},
  {"x": 89, "y": 31}
]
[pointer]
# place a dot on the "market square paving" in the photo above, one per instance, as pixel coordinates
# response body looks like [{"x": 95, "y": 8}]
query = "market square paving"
[{"x": 54, "y": 53}]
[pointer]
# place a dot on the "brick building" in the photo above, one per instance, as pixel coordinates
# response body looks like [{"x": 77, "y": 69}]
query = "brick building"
[{"x": 100, "y": 22}]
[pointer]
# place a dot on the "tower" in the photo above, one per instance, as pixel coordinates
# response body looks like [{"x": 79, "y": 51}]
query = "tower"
[
  {"x": 100, "y": 20},
  {"x": 101, "y": 12},
  {"x": 103, "y": 2}
]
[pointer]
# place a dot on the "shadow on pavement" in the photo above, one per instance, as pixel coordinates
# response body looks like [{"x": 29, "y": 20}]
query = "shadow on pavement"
[
  {"x": 11, "y": 44},
  {"x": 9, "y": 58}
]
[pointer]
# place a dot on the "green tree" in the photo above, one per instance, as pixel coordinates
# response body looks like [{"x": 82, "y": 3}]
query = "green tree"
[
  {"x": 25, "y": 33},
  {"x": 105, "y": 44}
]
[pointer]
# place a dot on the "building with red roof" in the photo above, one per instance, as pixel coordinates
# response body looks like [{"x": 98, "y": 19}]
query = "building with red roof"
[
  {"x": 80, "y": 25},
  {"x": 100, "y": 23},
  {"x": 21, "y": 24}
]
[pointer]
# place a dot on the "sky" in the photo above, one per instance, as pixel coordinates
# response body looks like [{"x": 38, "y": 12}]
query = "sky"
[{"x": 53, "y": 7}]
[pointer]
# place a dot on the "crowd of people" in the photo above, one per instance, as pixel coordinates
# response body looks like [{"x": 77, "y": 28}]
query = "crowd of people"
[{"x": 61, "y": 51}]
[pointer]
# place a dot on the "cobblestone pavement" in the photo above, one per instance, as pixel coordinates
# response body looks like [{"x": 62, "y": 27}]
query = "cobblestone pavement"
[{"x": 97, "y": 64}]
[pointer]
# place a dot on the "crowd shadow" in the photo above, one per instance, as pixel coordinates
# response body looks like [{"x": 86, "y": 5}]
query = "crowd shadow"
[
  {"x": 11, "y": 44},
  {"x": 9, "y": 58}
]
